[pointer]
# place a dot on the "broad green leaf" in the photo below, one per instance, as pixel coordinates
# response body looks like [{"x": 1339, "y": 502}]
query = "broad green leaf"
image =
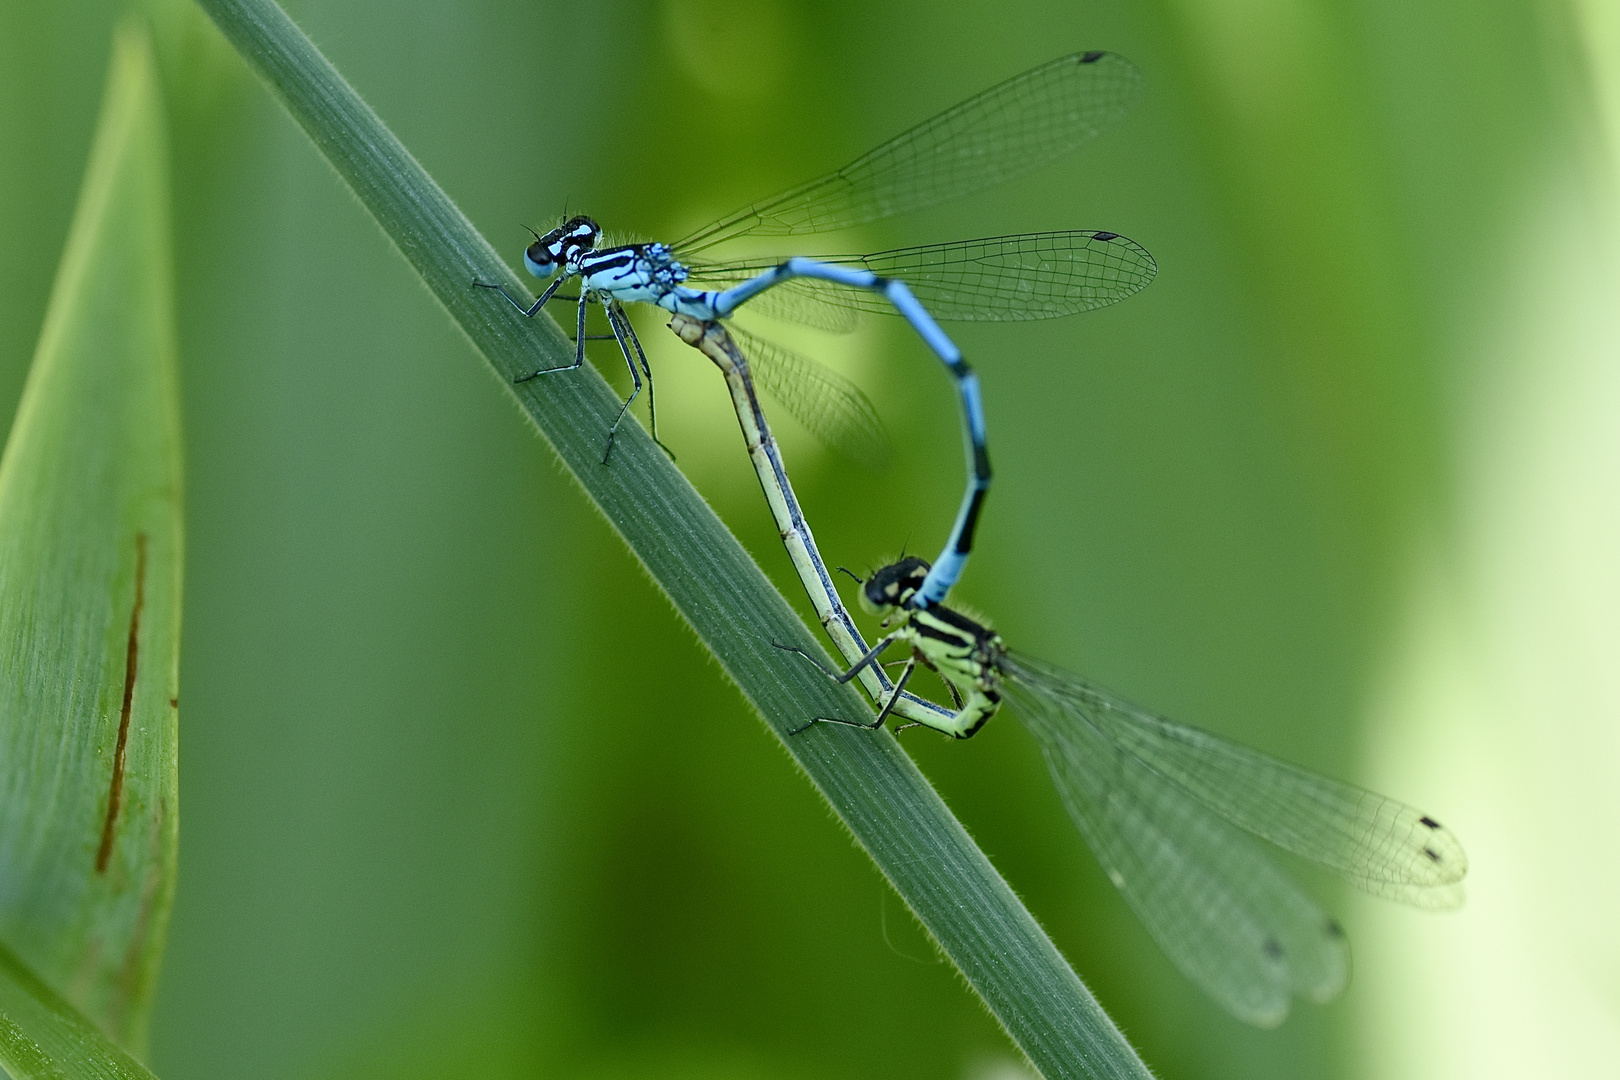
[
  {"x": 90, "y": 548},
  {"x": 42, "y": 1037}
]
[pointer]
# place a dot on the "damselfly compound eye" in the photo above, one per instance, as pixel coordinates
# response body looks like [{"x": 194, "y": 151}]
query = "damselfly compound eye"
[
  {"x": 538, "y": 261},
  {"x": 1008, "y": 130}
]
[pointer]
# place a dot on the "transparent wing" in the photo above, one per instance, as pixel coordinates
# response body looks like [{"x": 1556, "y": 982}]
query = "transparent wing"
[
  {"x": 1377, "y": 844},
  {"x": 1006, "y": 131},
  {"x": 807, "y": 302},
  {"x": 829, "y": 406},
  {"x": 1222, "y": 911},
  {"x": 995, "y": 279}
]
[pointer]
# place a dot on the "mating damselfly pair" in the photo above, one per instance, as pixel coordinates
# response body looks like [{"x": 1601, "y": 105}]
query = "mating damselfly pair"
[{"x": 1166, "y": 808}]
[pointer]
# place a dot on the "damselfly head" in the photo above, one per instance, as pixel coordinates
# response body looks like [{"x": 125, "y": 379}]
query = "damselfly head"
[
  {"x": 552, "y": 252},
  {"x": 891, "y": 586}
]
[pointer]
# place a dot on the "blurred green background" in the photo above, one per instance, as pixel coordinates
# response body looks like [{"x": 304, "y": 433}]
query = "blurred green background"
[{"x": 462, "y": 797}]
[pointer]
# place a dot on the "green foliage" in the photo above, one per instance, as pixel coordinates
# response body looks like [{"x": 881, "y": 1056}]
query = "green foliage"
[
  {"x": 90, "y": 551},
  {"x": 465, "y": 797},
  {"x": 42, "y": 1037},
  {"x": 874, "y": 787}
]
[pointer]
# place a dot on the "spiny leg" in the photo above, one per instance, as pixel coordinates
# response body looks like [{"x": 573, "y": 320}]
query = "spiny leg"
[
  {"x": 575, "y": 300},
  {"x": 956, "y": 695},
  {"x": 899, "y": 687},
  {"x": 883, "y": 713},
  {"x": 616, "y": 311},
  {"x": 870, "y": 658},
  {"x": 629, "y": 362},
  {"x": 526, "y": 312},
  {"x": 855, "y": 669},
  {"x": 579, "y": 328},
  {"x": 580, "y": 334},
  {"x": 579, "y": 344}
]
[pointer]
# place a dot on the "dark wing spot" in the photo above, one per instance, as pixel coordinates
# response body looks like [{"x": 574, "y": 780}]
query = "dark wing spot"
[
  {"x": 1273, "y": 949},
  {"x": 1105, "y": 236},
  {"x": 1092, "y": 57},
  {"x": 1432, "y": 854},
  {"x": 1429, "y": 821},
  {"x": 1334, "y": 930}
]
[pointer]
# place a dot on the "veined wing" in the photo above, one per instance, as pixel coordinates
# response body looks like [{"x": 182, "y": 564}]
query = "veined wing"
[
  {"x": 829, "y": 406},
  {"x": 1222, "y": 910},
  {"x": 1006, "y": 131},
  {"x": 1378, "y": 844},
  {"x": 995, "y": 279},
  {"x": 805, "y": 301}
]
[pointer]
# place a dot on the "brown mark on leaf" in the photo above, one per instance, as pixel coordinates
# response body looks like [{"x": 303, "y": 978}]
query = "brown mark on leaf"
[{"x": 115, "y": 793}]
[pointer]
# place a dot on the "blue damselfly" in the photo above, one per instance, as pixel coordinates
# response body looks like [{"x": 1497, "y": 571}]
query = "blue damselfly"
[{"x": 1006, "y": 131}]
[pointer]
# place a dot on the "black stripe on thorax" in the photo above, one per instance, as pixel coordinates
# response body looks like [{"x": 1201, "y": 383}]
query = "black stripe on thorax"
[
  {"x": 942, "y": 624},
  {"x": 610, "y": 260},
  {"x": 955, "y": 620},
  {"x": 932, "y": 631}
]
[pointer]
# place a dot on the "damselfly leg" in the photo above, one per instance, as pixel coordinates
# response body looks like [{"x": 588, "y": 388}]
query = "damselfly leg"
[
  {"x": 1005, "y": 131},
  {"x": 893, "y": 697},
  {"x": 629, "y": 348},
  {"x": 1174, "y": 815},
  {"x": 847, "y": 406}
]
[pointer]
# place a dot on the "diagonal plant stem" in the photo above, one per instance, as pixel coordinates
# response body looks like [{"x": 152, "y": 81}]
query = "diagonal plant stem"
[
  {"x": 874, "y": 788},
  {"x": 714, "y": 341}
]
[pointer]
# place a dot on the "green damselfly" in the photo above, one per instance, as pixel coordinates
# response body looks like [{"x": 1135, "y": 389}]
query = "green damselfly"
[{"x": 1171, "y": 812}]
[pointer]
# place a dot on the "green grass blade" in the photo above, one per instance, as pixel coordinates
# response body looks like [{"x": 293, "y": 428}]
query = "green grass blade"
[
  {"x": 90, "y": 538},
  {"x": 872, "y": 785},
  {"x": 42, "y": 1037}
]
